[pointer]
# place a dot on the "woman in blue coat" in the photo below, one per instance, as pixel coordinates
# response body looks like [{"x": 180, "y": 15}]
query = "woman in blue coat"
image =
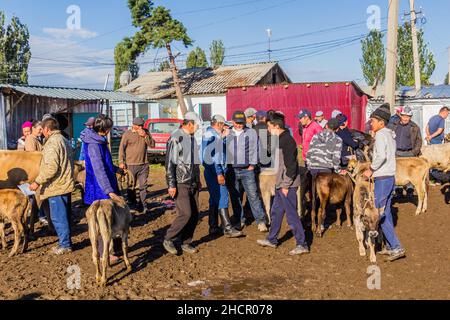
[{"x": 101, "y": 182}]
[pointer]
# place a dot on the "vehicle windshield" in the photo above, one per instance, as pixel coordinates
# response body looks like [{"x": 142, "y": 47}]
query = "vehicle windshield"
[{"x": 163, "y": 127}]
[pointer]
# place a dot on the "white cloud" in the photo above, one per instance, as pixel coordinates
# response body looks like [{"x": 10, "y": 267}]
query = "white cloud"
[
  {"x": 64, "y": 62},
  {"x": 70, "y": 33}
]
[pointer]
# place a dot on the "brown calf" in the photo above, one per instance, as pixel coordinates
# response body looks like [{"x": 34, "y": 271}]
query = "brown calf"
[
  {"x": 14, "y": 207},
  {"x": 335, "y": 189},
  {"x": 108, "y": 219}
]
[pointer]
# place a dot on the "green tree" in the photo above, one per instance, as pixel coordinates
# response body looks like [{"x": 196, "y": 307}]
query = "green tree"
[
  {"x": 196, "y": 59},
  {"x": 405, "y": 65},
  {"x": 125, "y": 60},
  {"x": 15, "y": 51},
  {"x": 373, "y": 62},
  {"x": 217, "y": 53},
  {"x": 446, "y": 80},
  {"x": 156, "y": 29}
]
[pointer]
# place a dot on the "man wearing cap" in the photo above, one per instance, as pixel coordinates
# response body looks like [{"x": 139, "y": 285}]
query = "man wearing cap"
[
  {"x": 183, "y": 181},
  {"x": 396, "y": 117},
  {"x": 133, "y": 157},
  {"x": 213, "y": 151},
  {"x": 436, "y": 127},
  {"x": 309, "y": 129},
  {"x": 250, "y": 115},
  {"x": 264, "y": 146},
  {"x": 242, "y": 158},
  {"x": 383, "y": 170},
  {"x": 407, "y": 135},
  {"x": 335, "y": 113},
  {"x": 349, "y": 145},
  {"x": 320, "y": 119}
]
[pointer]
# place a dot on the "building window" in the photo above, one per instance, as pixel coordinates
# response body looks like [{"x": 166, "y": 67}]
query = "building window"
[{"x": 205, "y": 111}]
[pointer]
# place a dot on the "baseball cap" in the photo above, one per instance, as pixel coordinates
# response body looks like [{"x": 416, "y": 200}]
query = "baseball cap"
[
  {"x": 250, "y": 112},
  {"x": 407, "y": 111},
  {"x": 239, "y": 117},
  {"x": 90, "y": 122},
  {"x": 261, "y": 114},
  {"x": 304, "y": 113},
  {"x": 192, "y": 116},
  {"x": 218, "y": 118},
  {"x": 335, "y": 113},
  {"x": 138, "y": 122},
  {"x": 341, "y": 119},
  {"x": 319, "y": 114}
]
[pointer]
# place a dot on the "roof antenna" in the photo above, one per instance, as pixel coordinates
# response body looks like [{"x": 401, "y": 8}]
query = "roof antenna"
[{"x": 269, "y": 35}]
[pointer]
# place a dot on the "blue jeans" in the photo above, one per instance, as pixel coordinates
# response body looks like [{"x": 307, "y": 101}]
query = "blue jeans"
[
  {"x": 59, "y": 209},
  {"x": 218, "y": 195},
  {"x": 288, "y": 205},
  {"x": 383, "y": 199},
  {"x": 248, "y": 179}
]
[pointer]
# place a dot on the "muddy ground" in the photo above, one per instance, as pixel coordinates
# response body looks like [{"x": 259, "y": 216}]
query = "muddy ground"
[{"x": 238, "y": 268}]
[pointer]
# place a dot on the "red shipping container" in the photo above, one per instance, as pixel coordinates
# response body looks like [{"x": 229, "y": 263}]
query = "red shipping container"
[{"x": 291, "y": 98}]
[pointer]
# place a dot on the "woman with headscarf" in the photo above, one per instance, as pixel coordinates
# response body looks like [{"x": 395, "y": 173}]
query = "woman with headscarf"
[{"x": 26, "y": 131}]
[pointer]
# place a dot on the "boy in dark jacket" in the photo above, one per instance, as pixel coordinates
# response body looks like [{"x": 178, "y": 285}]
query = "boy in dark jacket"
[{"x": 287, "y": 184}]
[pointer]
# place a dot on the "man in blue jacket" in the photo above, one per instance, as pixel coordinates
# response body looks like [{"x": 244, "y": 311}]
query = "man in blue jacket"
[
  {"x": 349, "y": 145},
  {"x": 213, "y": 145},
  {"x": 242, "y": 158}
]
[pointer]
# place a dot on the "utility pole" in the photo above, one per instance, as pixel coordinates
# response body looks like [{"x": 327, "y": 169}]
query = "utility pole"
[
  {"x": 269, "y": 34},
  {"x": 105, "y": 86},
  {"x": 391, "y": 55},
  {"x": 418, "y": 80},
  {"x": 448, "y": 65}
]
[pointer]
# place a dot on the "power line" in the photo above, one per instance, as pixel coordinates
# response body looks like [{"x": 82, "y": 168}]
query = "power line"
[{"x": 217, "y": 8}]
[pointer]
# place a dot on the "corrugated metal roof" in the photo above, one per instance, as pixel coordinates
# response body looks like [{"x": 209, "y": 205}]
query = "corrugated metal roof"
[
  {"x": 159, "y": 85},
  {"x": 74, "y": 93},
  {"x": 428, "y": 92}
]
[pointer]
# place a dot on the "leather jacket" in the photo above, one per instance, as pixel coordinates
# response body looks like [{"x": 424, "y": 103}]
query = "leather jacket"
[{"x": 182, "y": 160}]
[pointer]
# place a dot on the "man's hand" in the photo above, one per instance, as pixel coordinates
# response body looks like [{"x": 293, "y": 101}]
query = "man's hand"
[
  {"x": 285, "y": 192},
  {"x": 225, "y": 133},
  {"x": 428, "y": 138},
  {"x": 368, "y": 173},
  {"x": 221, "y": 180},
  {"x": 343, "y": 172},
  {"x": 172, "y": 192},
  {"x": 142, "y": 133},
  {"x": 123, "y": 166},
  {"x": 251, "y": 168},
  {"x": 34, "y": 186}
]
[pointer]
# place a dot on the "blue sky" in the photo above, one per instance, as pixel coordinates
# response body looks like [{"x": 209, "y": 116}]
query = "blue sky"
[{"x": 84, "y": 57}]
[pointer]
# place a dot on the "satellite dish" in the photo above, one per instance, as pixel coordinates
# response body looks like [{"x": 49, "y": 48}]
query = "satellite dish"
[{"x": 125, "y": 78}]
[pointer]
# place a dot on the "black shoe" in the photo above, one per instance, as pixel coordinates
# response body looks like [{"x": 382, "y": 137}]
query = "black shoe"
[
  {"x": 215, "y": 231},
  {"x": 228, "y": 229},
  {"x": 169, "y": 246},
  {"x": 189, "y": 249}
]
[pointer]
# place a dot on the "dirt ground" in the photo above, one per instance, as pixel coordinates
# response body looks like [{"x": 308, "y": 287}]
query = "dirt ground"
[{"x": 238, "y": 268}]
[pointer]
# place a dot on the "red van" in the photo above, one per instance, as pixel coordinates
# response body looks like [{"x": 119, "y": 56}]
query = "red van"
[{"x": 161, "y": 129}]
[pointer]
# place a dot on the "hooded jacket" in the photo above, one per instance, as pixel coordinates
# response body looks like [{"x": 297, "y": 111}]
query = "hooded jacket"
[
  {"x": 308, "y": 133},
  {"x": 325, "y": 151},
  {"x": 100, "y": 174},
  {"x": 383, "y": 162}
]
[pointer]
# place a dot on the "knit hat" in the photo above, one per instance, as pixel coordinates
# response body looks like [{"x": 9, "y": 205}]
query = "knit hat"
[
  {"x": 382, "y": 113},
  {"x": 27, "y": 124}
]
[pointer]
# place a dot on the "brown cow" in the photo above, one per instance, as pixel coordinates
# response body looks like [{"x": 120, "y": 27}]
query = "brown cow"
[
  {"x": 14, "y": 206},
  {"x": 108, "y": 219},
  {"x": 335, "y": 189},
  {"x": 18, "y": 167},
  {"x": 438, "y": 156},
  {"x": 365, "y": 216},
  {"x": 409, "y": 170}
]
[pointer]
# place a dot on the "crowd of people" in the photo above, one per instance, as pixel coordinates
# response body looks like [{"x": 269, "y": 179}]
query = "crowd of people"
[{"x": 232, "y": 155}]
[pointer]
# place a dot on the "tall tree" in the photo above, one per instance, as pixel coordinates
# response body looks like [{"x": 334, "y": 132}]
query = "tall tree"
[
  {"x": 405, "y": 67},
  {"x": 125, "y": 55},
  {"x": 373, "y": 62},
  {"x": 446, "y": 80},
  {"x": 196, "y": 59},
  {"x": 161, "y": 30},
  {"x": 15, "y": 51},
  {"x": 217, "y": 53}
]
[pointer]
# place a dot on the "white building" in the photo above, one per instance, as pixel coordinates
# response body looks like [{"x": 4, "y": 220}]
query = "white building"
[{"x": 204, "y": 89}]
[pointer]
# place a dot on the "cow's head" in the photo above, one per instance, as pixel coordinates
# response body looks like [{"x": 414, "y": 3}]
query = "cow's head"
[{"x": 371, "y": 219}]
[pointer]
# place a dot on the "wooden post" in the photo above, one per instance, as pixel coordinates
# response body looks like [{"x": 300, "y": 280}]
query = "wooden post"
[
  {"x": 109, "y": 113},
  {"x": 391, "y": 55}
]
